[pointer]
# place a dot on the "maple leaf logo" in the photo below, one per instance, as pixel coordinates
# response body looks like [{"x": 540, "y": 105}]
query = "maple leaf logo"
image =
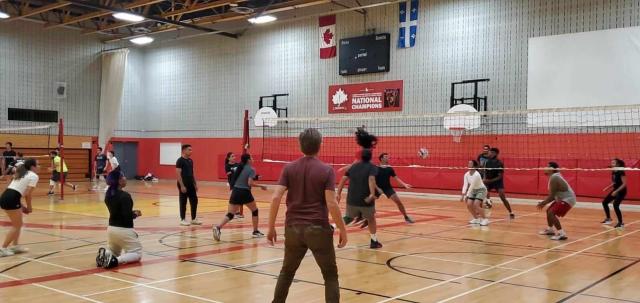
[
  {"x": 327, "y": 36},
  {"x": 339, "y": 97}
]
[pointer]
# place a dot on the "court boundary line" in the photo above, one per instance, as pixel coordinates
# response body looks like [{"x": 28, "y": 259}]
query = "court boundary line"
[
  {"x": 508, "y": 262},
  {"x": 60, "y": 291},
  {"x": 537, "y": 267}
]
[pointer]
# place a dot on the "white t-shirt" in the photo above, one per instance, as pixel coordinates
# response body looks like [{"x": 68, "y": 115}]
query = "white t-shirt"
[
  {"x": 114, "y": 162},
  {"x": 21, "y": 185},
  {"x": 472, "y": 182}
]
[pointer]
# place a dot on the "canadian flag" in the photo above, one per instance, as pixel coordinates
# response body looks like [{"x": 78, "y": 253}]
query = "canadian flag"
[{"x": 327, "y": 36}]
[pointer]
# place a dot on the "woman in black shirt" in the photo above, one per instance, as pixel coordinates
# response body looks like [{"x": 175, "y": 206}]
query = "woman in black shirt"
[
  {"x": 230, "y": 167},
  {"x": 618, "y": 192},
  {"x": 123, "y": 242}
]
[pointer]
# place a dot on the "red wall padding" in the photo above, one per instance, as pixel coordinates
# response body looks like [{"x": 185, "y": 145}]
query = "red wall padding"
[{"x": 569, "y": 151}]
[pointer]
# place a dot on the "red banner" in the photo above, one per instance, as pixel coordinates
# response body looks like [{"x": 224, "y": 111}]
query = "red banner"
[{"x": 366, "y": 97}]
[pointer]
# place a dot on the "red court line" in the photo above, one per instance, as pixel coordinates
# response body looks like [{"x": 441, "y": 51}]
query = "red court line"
[
  {"x": 86, "y": 272},
  {"x": 385, "y": 214}
]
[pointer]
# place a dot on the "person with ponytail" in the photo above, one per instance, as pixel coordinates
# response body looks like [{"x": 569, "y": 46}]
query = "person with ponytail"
[
  {"x": 25, "y": 180},
  {"x": 230, "y": 167},
  {"x": 245, "y": 178},
  {"x": 122, "y": 240},
  {"x": 365, "y": 140}
]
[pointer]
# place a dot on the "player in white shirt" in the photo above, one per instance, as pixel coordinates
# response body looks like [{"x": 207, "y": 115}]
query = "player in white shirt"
[
  {"x": 474, "y": 192},
  {"x": 113, "y": 161},
  {"x": 24, "y": 182}
]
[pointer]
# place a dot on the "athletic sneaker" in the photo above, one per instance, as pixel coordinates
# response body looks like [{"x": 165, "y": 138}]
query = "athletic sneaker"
[
  {"x": 474, "y": 221},
  {"x": 257, "y": 234},
  {"x": 547, "y": 232},
  {"x": 5, "y": 252},
  {"x": 196, "y": 222},
  {"x": 409, "y": 220},
  {"x": 375, "y": 244},
  {"x": 619, "y": 225},
  {"x": 18, "y": 249},
  {"x": 484, "y": 222},
  {"x": 606, "y": 221},
  {"x": 50, "y": 193},
  {"x": 512, "y": 216},
  {"x": 74, "y": 187},
  {"x": 559, "y": 237},
  {"x": 184, "y": 223},
  {"x": 239, "y": 216},
  {"x": 216, "y": 233},
  {"x": 113, "y": 262},
  {"x": 100, "y": 256}
]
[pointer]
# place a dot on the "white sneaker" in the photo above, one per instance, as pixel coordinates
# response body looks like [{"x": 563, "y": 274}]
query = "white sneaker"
[
  {"x": 474, "y": 221},
  {"x": 546, "y": 232},
  {"x": 196, "y": 222},
  {"x": 184, "y": 223},
  {"x": 18, "y": 249},
  {"x": 559, "y": 237},
  {"x": 5, "y": 252},
  {"x": 216, "y": 233},
  {"x": 484, "y": 222}
]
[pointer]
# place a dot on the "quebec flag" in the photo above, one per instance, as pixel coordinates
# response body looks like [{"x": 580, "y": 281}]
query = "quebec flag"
[{"x": 408, "y": 24}]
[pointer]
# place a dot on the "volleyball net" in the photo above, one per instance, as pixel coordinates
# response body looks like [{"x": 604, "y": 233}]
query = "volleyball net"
[{"x": 579, "y": 139}]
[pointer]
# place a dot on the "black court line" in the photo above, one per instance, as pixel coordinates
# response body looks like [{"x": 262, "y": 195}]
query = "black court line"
[
  {"x": 609, "y": 276},
  {"x": 27, "y": 261},
  {"x": 489, "y": 243},
  {"x": 231, "y": 267}
]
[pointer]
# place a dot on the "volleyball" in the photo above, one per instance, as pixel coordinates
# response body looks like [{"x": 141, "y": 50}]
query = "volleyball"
[{"x": 423, "y": 153}]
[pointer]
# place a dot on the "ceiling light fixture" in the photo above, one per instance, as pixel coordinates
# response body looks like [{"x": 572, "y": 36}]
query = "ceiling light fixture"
[
  {"x": 128, "y": 17},
  {"x": 262, "y": 19},
  {"x": 141, "y": 40},
  {"x": 4, "y": 15}
]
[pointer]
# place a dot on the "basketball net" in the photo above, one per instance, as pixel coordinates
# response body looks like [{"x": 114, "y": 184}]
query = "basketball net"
[{"x": 457, "y": 134}]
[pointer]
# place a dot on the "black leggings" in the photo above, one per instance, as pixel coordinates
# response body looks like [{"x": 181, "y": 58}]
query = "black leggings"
[
  {"x": 193, "y": 201},
  {"x": 616, "y": 204}
]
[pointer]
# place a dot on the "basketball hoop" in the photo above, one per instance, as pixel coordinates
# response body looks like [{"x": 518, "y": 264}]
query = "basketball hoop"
[
  {"x": 457, "y": 134},
  {"x": 460, "y": 118}
]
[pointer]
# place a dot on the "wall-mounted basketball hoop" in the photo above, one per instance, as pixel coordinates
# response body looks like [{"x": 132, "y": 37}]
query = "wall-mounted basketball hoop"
[{"x": 461, "y": 118}]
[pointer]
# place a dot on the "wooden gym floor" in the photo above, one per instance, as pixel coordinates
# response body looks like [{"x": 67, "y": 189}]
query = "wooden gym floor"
[{"x": 437, "y": 259}]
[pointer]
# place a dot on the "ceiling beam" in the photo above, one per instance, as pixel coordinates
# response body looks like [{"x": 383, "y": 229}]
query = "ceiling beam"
[
  {"x": 198, "y": 7},
  {"x": 36, "y": 11},
  {"x": 154, "y": 18},
  {"x": 100, "y": 13},
  {"x": 230, "y": 16}
]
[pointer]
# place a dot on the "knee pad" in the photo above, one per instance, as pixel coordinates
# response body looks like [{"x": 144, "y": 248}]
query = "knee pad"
[
  {"x": 230, "y": 216},
  {"x": 254, "y": 213}
]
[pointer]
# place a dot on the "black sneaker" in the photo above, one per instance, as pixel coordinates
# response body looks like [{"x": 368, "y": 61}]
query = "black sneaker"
[
  {"x": 409, "y": 220},
  {"x": 375, "y": 244},
  {"x": 619, "y": 225},
  {"x": 113, "y": 262},
  {"x": 512, "y": 216},
  {"x": 50, "y": 193},
  {"x": 100, "y": 257},
  {"x": 257, "y": 234}
]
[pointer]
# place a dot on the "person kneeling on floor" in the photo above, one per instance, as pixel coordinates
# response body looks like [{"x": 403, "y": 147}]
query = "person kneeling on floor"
[{"x": 123, "y": 244}]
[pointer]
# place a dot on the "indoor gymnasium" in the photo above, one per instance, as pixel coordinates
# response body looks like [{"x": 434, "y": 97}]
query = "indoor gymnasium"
[{"x": 306, "y": 151}]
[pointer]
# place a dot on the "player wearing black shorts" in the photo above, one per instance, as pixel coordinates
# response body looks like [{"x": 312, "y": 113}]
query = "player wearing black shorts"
[
  {"x": 383, "y": 184},
  {"x": 8, "y": 159},
  {"x": 245, "y": 178},
  {"x": 100, "y": 167},
  {"x": 230, "y": 167},
  {"x": 617, "y": 194},
  {"x": 494, "y": 178}
]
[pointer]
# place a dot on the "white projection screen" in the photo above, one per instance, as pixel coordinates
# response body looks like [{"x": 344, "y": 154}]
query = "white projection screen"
[{"x": 598, "y": 68}]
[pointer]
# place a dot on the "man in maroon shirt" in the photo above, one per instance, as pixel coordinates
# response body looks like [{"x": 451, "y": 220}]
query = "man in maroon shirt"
[{"x": 311, "y": 198}]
